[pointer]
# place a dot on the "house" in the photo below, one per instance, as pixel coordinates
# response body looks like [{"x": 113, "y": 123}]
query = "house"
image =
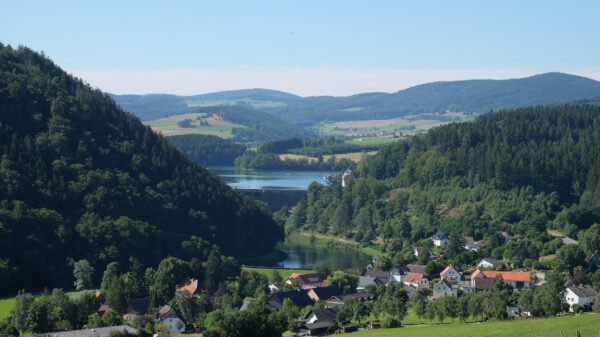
[
  {"x": 320, "y": 320},
  {"x": 440, "y": 239},
  {"x": 416, "y": 280},
  {"x": 489, "y": 263},
  {"x": 594, "y": 261},
  {"x": 299, "y": 297},
  {"x": 189, "y": 286},
  {"x": 417, "y": 268},
  {"x": 361, "y": 296},
  {"x": 334, "y": 301},
  {"x": 136, "y": 307},
  {"x": 583, "y": 295},
  {"x": 366, "y": 281},
  {"x": 395, "y": 279},
  {"x": 469, "y": 243},
  {"x": 246, "y": 303},
  {"x": 323, "y": 293},
  {"x": 516, "y": 279},
  {"x": 504, "y": 236},
  {"x": 96, "y": 332},
  {"x": 512, "y": 309},
  {"x": 308, "y": 281},
  {"x": 169, "y": 317},
  {"x": 568, "y": 241},
  {"x": 275, "y": 287},
  {"x": 381, "y": 277},
  {"x": 450, "y": 274},
  {"x": 346, "y": 177},
  {"x": 444, "y": 288}
]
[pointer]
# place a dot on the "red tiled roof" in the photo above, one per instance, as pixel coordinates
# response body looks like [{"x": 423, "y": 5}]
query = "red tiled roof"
[
  {"x": 510, "y": 276},
  {"x": 189, "y": 286},
  {"x": 447, "y": 269},
  {"x": 315, "y": 278},
  {"x": 413, "y": 277}
]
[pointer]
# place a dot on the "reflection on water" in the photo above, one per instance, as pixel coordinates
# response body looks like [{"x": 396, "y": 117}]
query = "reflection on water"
[
  {"x": 305, "y": 255},
  {"x": 337, "y": 257},
  {"x": 270, "y": 179}
]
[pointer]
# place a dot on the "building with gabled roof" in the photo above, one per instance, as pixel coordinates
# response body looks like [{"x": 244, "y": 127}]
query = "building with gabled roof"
[
  {"x": 583, "y": 295},
  {"x": 450, "y": 274},
  {"x": 168, "y": 316},
  {"x": 416, "y": 280},
  {"x": 516, "y": 279},
  {"x": 299, "y": 297},
  {"x": 440, "y": 238},
  {"x": 308, "y": 281},
  {"x": 190, "y": 286},
  {"x": 323, "y": 293}
]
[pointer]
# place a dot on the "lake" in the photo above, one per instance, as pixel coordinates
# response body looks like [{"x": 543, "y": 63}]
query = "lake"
[
  {"x": 304, "y": 254},
  {"x": 270, "y": 179}
]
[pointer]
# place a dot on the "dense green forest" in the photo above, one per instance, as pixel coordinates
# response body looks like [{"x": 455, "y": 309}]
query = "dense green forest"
[
  {"x": 271, "y": 161},
  {"x": 520, "y": 171},
  {"x": 81, "y": 179},
  {"x": 314, "y": 147},
  {"x": 208, "y": 150}
]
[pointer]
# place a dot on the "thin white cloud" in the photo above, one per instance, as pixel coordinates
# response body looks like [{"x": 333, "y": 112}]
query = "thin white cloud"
[{"x": 301, "y": 81}]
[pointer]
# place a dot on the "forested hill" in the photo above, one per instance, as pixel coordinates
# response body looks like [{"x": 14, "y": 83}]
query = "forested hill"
[
  {"x": 470, "y": 96},
  {"x": 522, "y": 171},
  {"x": 432, "y": 99},
  {"x": 80, "y": 178},
  {"x": 552, "y": 149}
]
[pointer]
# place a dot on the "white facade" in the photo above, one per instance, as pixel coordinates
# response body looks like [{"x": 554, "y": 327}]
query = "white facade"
[
  {"x": 440, "y": 242},
  {"x": 441, "y": 289},
  {"x": 450, "y": 274},
  {"x": 571, "y": 298},
  {"x": 487, "y": 264},
  {"x": 174, "y": 324}
]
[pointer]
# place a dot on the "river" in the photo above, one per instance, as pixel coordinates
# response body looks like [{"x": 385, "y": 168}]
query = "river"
[{"x": 297, "y": 252}]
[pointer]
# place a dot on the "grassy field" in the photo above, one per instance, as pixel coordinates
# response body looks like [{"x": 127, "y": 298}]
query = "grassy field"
[
  {"x": 354, "y": 156},
  {"x": 6, "y": 304},
  {"x": 216, "y": 126},
  {"x": 285, "y": 273},
  {"x": 588, "y": 325},
  {"x": 318, "y": 238},
  {"x": 364, "y": 128},
  {"x": 373, "y": 141}
]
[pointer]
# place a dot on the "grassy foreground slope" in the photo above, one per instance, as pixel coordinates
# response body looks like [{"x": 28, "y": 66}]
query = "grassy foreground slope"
[{"x": 588, "y": 325}]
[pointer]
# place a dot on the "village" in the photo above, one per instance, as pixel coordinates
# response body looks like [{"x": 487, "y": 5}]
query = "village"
[{"x": 328, "y": 302}]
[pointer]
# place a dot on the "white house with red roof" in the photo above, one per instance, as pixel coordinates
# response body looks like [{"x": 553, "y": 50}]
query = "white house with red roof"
[
  {"x": 482, "y": 279},
  {"x": 416, "y": 280}
]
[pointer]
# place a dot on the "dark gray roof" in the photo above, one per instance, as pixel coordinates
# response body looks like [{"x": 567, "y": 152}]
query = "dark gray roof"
[
  {"x": 417, "y": 268},
  {"x": 298, "y": 297},
  {"x": 364, "y": 281},
  {"x": 595, "y": 259},
  {"x": 378, "y": 274},
  {"x": 138, "y": 306},
  {"x": 97, "y": 332},
  {"x": 324, "y": 293},
  {"x": 324, "y": 314},
  {"x": 440, "y": 235},
  {"x": 583, "y": 290}
]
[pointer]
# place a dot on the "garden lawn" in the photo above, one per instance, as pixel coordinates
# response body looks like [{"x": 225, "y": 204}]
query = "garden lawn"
[{"x": 285, "y": 273}]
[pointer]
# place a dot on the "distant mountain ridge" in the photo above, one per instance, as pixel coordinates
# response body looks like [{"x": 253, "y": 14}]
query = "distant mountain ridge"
[{"x": 469, "y": 96}]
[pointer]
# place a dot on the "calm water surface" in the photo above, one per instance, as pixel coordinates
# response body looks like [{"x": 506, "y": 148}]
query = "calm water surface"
[{"x": 270, "y": 179}]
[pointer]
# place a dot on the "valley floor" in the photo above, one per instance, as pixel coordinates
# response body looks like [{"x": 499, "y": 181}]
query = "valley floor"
[{"x": 587, "y": 324}]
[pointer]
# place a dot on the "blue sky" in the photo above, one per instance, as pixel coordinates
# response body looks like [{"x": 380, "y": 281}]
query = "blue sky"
[{"x": 305, "y": 47}]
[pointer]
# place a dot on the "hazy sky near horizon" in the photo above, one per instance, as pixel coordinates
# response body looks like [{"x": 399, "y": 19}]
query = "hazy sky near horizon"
[{"x": 304, "y": 47}]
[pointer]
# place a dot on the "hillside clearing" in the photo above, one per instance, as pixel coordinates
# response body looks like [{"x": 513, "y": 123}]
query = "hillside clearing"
[{"x": 211, "y": 125}]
